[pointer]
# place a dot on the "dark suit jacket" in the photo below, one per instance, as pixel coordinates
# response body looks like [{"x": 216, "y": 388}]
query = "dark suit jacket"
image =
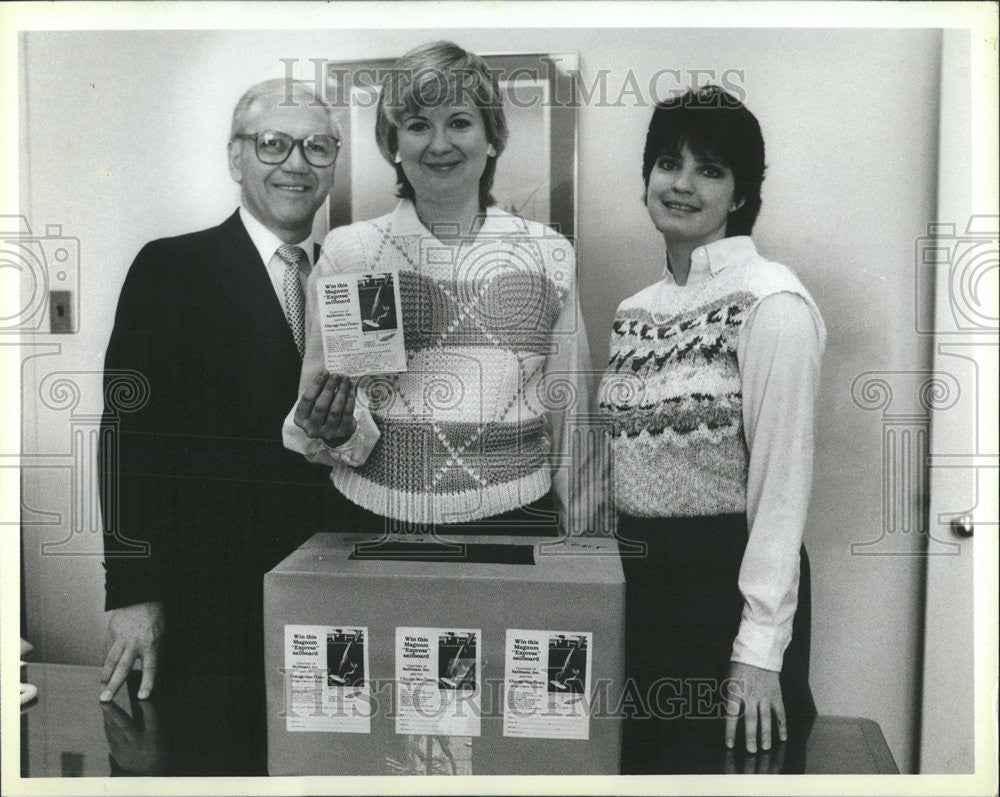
[{"x": 202, "y": 476}]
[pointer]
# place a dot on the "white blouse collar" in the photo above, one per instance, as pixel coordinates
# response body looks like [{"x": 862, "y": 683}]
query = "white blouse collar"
[
  {"x": 498, "y": 223},
  {"x": 712, "y": 258}
]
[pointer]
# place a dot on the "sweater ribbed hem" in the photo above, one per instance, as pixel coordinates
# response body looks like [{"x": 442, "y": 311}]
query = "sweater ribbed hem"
[{"x": 440, "y": 508}]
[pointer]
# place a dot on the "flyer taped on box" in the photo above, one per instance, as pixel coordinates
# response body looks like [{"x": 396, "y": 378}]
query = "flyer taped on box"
[
  {"x": 327, "y": 679},
  {"x": 547, "y": 681},
  {"x": 361, "y": 322},
  {"x": 438, "y": 681}
]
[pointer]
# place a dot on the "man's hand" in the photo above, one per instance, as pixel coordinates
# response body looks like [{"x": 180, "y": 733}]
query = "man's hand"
[
  {"x": 326, "y": 409},
  {"x": 134, "y": 632},
  {"x": 759, "y": 692}
]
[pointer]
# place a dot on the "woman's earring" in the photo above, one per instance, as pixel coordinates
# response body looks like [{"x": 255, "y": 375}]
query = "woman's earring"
[
  {"x": 397, "y": 159},
  {"x": 491, "y": 151},
  {"x": 736, "y": 206}
]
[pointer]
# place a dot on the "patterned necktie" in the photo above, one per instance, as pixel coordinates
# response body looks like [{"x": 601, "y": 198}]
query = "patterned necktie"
[{"x": 294, "y": 258}]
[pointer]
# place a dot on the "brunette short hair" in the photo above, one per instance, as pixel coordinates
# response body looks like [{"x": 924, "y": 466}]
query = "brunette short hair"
[{"x": 713, "y": 123}]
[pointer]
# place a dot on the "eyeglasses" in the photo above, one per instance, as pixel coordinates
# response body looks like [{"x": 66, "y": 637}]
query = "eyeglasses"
[{"x": 274, "y": 147}]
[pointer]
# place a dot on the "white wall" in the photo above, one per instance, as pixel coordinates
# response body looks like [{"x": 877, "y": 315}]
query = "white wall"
[{"x": 123, "y": 140}]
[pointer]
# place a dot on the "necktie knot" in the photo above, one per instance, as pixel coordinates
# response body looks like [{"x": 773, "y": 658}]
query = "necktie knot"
[{"x": 292, "y": 255}]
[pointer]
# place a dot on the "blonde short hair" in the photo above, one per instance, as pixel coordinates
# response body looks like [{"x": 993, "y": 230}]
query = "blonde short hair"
[{"x": 429, "y": 76}]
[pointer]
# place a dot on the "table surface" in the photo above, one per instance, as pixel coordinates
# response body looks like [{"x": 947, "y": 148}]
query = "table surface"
[{"x": 67, "y": 732}]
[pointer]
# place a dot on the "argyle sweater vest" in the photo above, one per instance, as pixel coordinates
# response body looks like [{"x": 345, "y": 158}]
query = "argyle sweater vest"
[
  {"x": 464, "y": 431},
  {"x": 672, "y": 396}
]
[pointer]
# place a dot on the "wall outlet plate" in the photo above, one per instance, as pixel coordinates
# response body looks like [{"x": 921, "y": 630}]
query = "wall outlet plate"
[{"x": 61, "y": 312}]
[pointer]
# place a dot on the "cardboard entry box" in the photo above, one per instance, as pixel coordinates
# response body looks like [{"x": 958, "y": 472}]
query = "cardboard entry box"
[{"x": 486, "y": 656}]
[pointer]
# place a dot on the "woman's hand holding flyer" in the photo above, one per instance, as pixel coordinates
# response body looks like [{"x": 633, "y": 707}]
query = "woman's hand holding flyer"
[{"x": 326, "y": 409}]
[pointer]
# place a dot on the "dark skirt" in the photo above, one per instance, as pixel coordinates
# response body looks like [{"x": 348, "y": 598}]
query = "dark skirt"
[{"x": 683, "y": 610}]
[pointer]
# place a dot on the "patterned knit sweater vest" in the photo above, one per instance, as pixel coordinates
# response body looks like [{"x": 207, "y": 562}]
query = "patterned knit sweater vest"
[
  {"x": 672, "y": 394},
  {"x": 464, "y": 434}
]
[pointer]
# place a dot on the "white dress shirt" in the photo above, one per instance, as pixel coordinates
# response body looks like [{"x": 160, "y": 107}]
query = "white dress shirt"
[{"x": 267, "y": 244}]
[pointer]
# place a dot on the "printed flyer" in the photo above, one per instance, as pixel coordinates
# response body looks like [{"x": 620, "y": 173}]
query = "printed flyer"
[
  {"x": 547, "y": 681},
  {"x": 361, "y": 323},
  {"x": 326, "y": 682},
  {"x": 439, "y": 681}
]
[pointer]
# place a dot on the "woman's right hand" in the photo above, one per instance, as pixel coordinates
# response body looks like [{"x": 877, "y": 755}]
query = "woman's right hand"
[{"x": 326, "y": 409}]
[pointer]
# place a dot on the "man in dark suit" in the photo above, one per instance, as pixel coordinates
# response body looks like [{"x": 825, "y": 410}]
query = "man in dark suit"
[{"x": 200, "y": 496}]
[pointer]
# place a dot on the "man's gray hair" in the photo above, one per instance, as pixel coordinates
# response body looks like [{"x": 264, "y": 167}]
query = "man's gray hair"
[{"x": 286, "y": 92}]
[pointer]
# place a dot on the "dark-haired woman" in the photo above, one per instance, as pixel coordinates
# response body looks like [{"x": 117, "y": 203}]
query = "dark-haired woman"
[{"x": 710, "y": 391}]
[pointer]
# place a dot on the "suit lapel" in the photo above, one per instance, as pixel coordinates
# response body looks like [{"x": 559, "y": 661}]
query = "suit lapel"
[{"x": 244, "y": 278}]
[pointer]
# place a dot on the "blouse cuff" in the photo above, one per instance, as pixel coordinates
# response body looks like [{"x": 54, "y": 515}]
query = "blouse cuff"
[
  {"x": 353, "y": 453},
  {"x": 761, "y": 646}
]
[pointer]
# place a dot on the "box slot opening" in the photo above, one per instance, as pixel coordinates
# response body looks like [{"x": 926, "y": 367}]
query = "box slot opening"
[{"x": 479, "y": 553}]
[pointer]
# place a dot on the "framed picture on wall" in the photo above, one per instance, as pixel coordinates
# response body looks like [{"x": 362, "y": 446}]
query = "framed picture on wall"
[{"x": 536, "y": 173}]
